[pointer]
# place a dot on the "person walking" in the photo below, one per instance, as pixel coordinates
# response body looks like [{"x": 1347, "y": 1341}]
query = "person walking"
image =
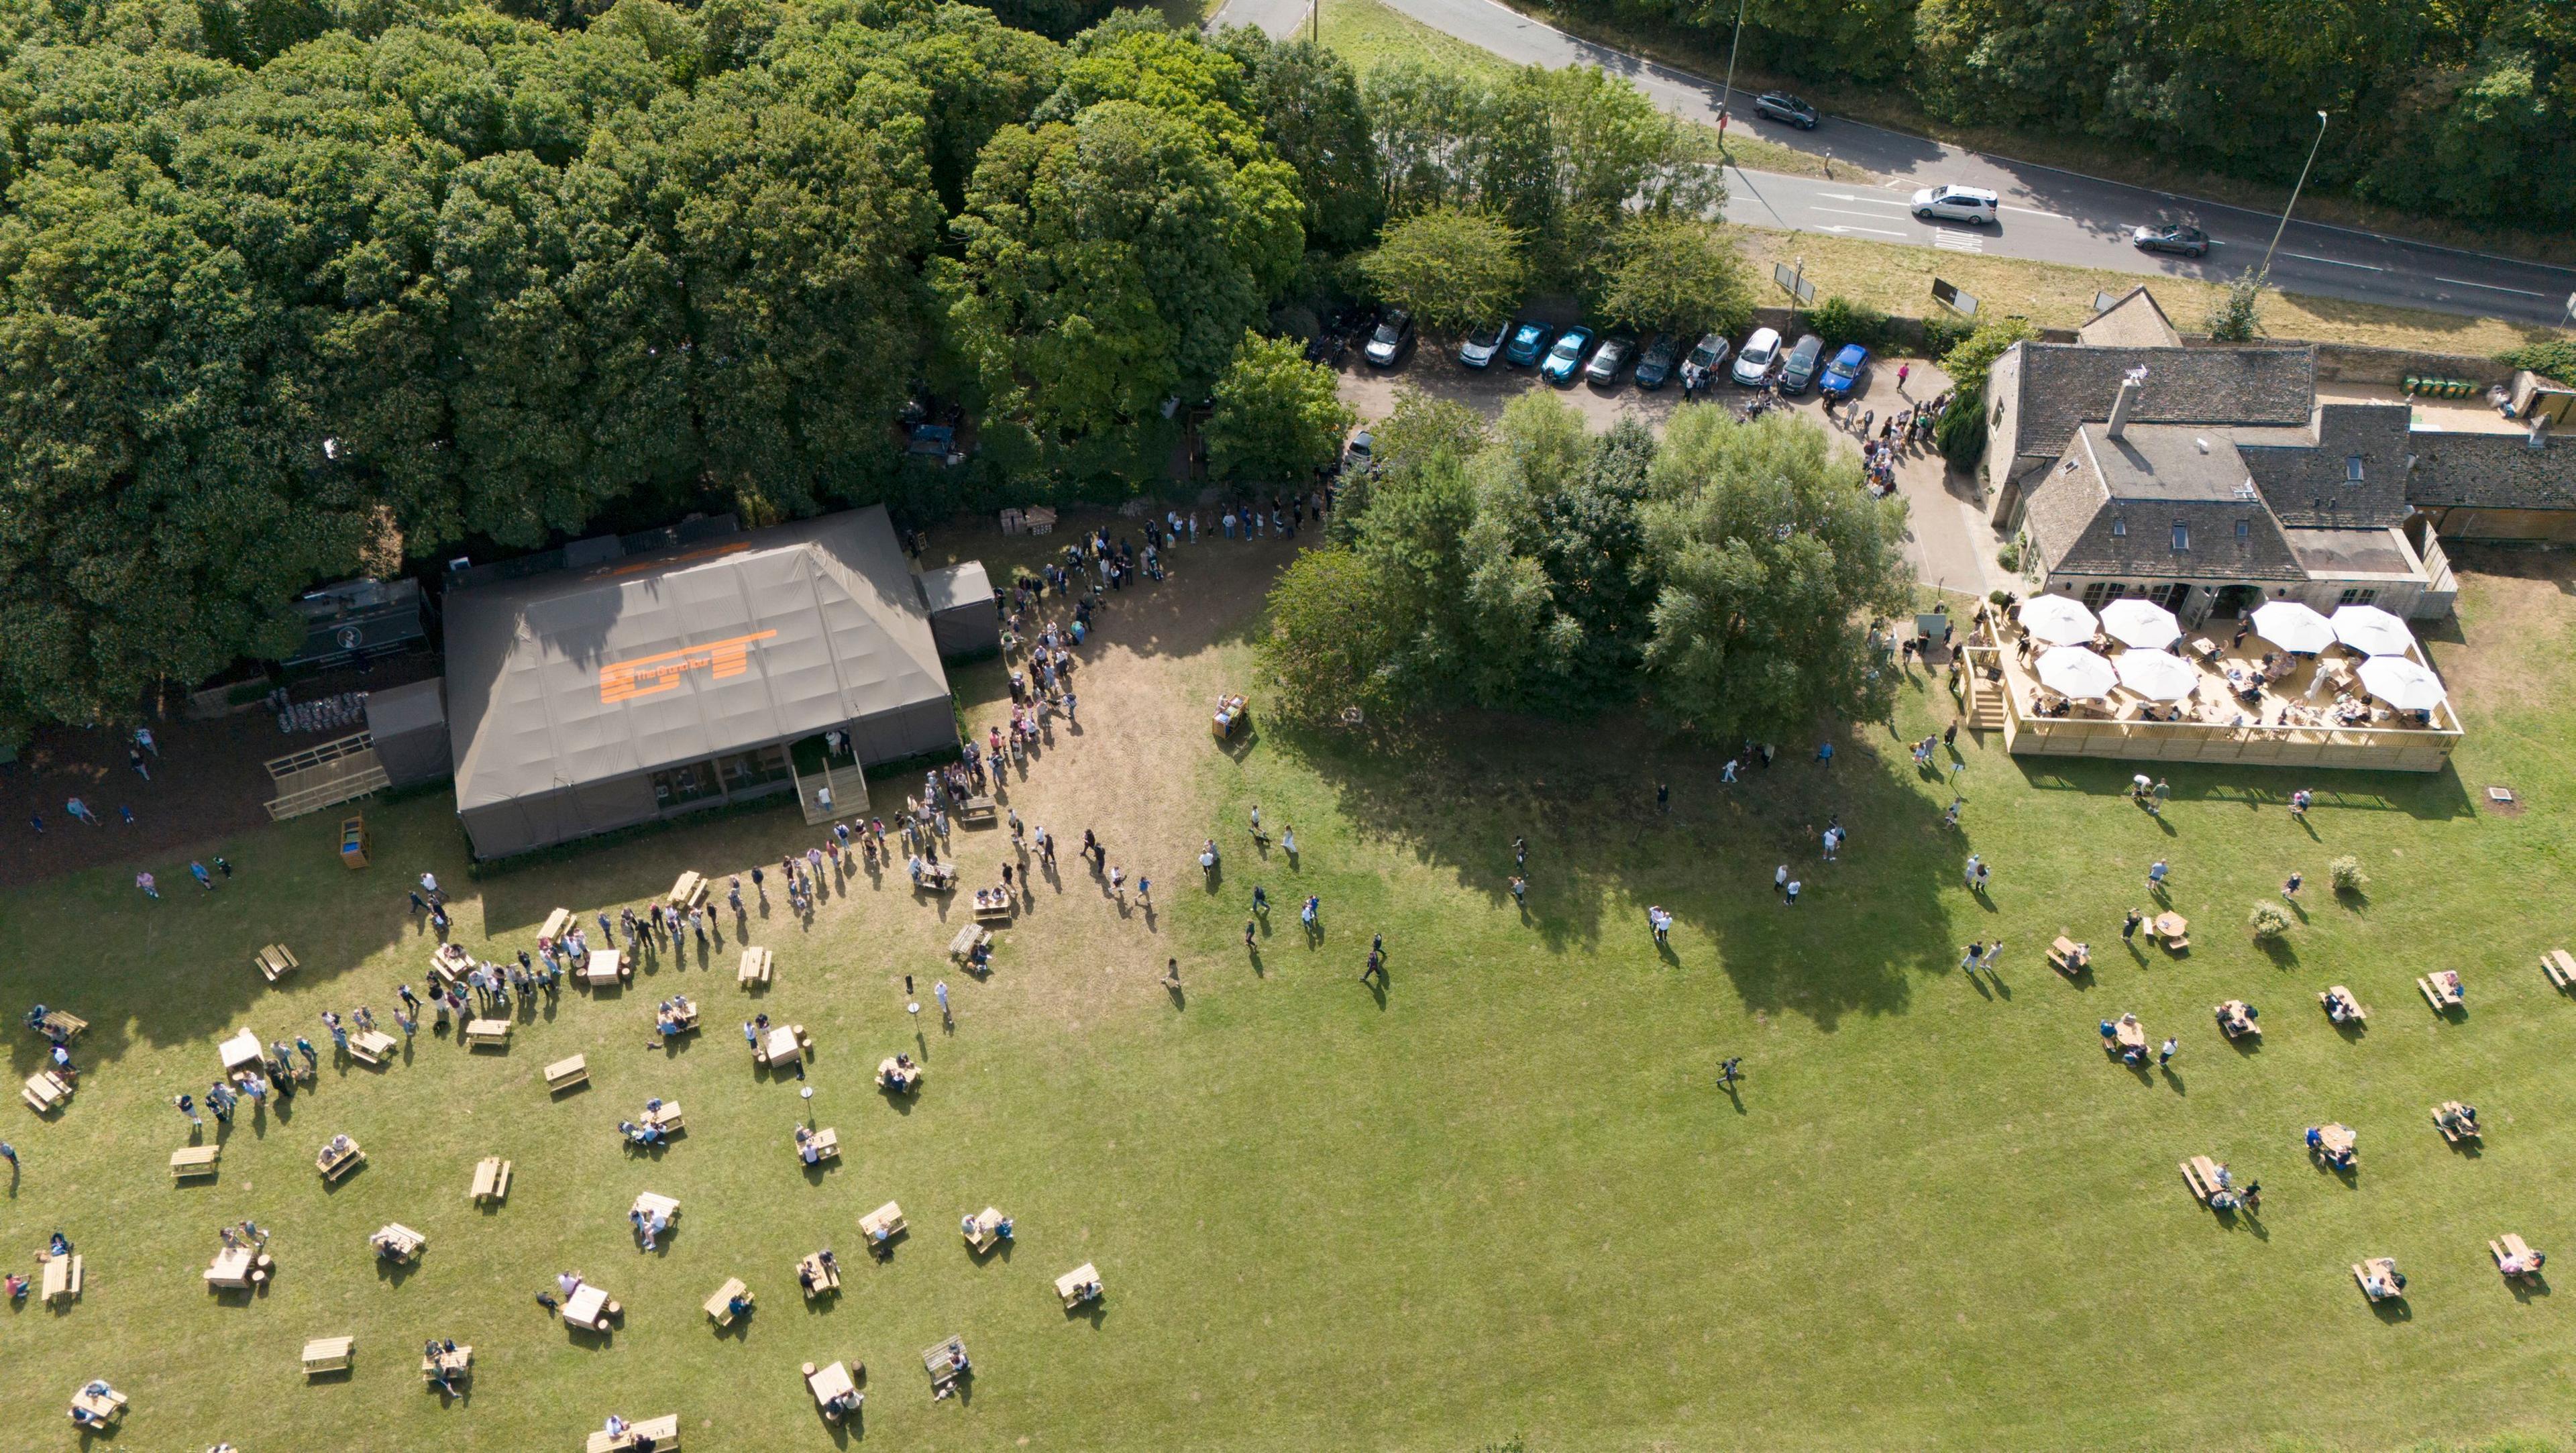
[
  {"x": 2163, "y": 790},
  {"x": 1664, "y": 798},
  {"x": 1825, "y": 753},
  {"x": 1376, "y": 968},
  {"x": 1520, "y": 852},
  {"x": 1975, "y": 958},
  {"x": 1520, "y": 891},
  {"x": 79, "y": 811},
  {"x": 134, "y": 759},
  {"x": 188, "y": 1108},
  {"x": 2156, "y": 872},
  {"x": 1974, "y": 872},
  {"x": 1902, "y": 370},
  {"x": 2299, "y": 802},
  {"x": 939, "y": 991},
  {"x": 9, "y": 1153},
  {"x": 2165, "y": 1055},
  {"x": 205, "y": 879}
]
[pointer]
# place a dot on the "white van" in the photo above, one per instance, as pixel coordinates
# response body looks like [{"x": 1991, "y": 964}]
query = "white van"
[
  {"x": 1753, "y": 361},
  {"x": 1957, "y": 204}
]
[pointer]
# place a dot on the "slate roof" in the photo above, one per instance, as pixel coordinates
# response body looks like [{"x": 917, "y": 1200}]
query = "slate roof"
[
  {"x": 2306, "y": 474},
  {"x": 2110, "y": 505},
  {"x": 2062, "y": 385},
  {"x": 2492, "y": 471}
]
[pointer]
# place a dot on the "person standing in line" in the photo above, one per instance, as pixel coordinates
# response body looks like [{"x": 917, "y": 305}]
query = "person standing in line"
[
  {"x": 1902, "y": 370},
  {"x": 2163, "y": 790},
  {"x": 1520, "y": 890}
]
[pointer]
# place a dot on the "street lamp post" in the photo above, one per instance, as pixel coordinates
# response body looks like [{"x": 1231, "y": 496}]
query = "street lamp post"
[
  {"x": 2266, "y": 269},
  {"x": 1726, "y": 97}
]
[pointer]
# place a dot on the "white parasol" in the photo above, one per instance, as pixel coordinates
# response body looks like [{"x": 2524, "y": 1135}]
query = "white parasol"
[
  {"x": 2404, "y": 684},
  {"x": 2139, "y": 622},
  {"x": 2369, "y": 629},
  {"x": 2157, "y": 675},
  {"x": 2292, "y": 626},
  {"x": 2075, "y": 671},
  {"x": 2057, "y": 620}
]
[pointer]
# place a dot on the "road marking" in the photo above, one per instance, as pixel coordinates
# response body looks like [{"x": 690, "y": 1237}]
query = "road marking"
[
  {"x": 1958, "y": 242},
  {"x": 2339, "y": 262},
  {"x": 2035, "y": 212},
  {"x": 1847, "y": 212},
  {"x": 1873, "y": 231},
  {"x": 2491, "y": 287},
  {"x": 1873, "y": 201}
]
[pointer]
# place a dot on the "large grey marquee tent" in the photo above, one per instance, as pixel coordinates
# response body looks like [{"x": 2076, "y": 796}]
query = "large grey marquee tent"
[{"x": 584, "y": 700}]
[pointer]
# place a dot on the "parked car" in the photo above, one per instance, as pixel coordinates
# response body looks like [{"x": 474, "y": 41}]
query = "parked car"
[
  {"x": 1529, "y": 340},
  {"x": 1754, "y": 360},
  {"x": 1845, "y": 373},
  {"x": 1798, "y": 369},
  {"x": 2179, "y": 237},
  {"x": 1781, "y": 106},
  {"x": 1566, "y": 356},
  {"x": 1655, "y": 365},
  {"x": 1974, "y": 205},
  {"x": 1360, "y": 453},
  {"x": 1391, "y": 340},
  {"x": 1700, "y": 368},
  {"x": 1609, "y": 359},
  {"x": 1481, "y": 346}
]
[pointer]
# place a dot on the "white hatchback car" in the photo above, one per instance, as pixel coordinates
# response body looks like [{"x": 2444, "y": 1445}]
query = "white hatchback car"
[
  {"x": 1753, "y": 361},
  {"x": 1957, "y": 204}
]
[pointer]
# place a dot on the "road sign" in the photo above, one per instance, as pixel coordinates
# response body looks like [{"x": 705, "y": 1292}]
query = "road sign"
[
  {"x": 1795, "y": 284},
  {"x": 1964, "y": 304}
]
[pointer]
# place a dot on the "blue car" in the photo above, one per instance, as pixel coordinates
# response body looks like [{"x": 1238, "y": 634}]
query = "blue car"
[
  {"x": 1845, "y": 373},
  {"x": 1565, "y": 360},
  {"x": 1528, "y": 340}
]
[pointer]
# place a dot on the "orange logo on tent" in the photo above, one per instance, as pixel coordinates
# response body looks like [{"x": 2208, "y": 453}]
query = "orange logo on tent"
[{"x": 645, "y": 675}]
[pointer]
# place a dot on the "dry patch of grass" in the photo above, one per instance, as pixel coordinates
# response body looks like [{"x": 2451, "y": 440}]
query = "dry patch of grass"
[
  {"x": 1371, "y": 35},
  {"x": 1898, "y": 279}
]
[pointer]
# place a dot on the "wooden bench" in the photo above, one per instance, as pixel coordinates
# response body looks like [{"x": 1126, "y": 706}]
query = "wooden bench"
[
  {"x": 373, "y": 1047},
  {"x": 2457, "y": 1128},
  {"x": 275, "y": 962},
  {"x": 55, "y": 1024},
  {"x": 2236, "y": 1020},
  {"x": 2512, "y": 1248},
  {"x": 62, "y": 1278},
  {"x": 488, "y": 1033},
  {"x": 819, "y": 1275},
  {"x": 397, "y": 1242},
  {"x": 969, "y": 938},
  {"x": 335, "y": 1163},
  {"x": 902, "y": 1079},
  {"x": 689, "y": 891},
  {"x": 563, "y": 1074},
  {"x": 881, "y": 1226},
  {"x": 2353, "y": 1011},
  {"x": 664, "y": 1431},
  {"x": 825, "y": 1143},
  {"x": 945, "y": 1363},
  {"x": 491, "y": 1180},
  {"x": 103, "y": 1408},
  {"x": 978, "y": 808},
  {"x": 328, "y": 1354},
  {"x": 994, "y": 905},
  {"x": 191, "y": 1162},
  {"x": 2386, "y": 1268},
  {"x": 2069, "y": 957},
  {"x": 983, "y": 1230},
  {"x": 2560, "y": 966},
  {"x": 2442, "y": 991},
  {"x": 720, "y": 1306},
  {"x": 756, "y": 967},
  {"x": 1082, "y": 1284},
  {"x": 558, "y": 923},
  {"x": 938, "y": 877},
  {"x": 448, "y": 1365},
  {"x": 45, "y": 1092}
]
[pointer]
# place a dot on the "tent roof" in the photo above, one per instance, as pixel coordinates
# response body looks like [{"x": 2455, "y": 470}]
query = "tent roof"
[
  {"x": 406, "y": 708},
  {"x": 649, "y": 661},
  {"x": 958, "y": 585}
]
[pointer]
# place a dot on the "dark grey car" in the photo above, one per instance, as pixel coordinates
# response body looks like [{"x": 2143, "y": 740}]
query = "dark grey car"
[
  {"x": 1781, "y": 106},
  {"x": 1798, "y": 369}
]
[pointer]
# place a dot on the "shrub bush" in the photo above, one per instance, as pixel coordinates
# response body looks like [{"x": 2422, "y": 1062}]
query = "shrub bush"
[
  {"x": 2555, "y": 359},
  {"x": 2269, "y": 922},
  {"x": 2348, "y": 876},
  {"x": 1839, "y": 320}
]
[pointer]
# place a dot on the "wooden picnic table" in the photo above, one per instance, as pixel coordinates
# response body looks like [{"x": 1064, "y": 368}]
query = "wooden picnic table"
[
  {"x": 2441, "y": 989},
  {"x": 2353, "y": 1012},
  {"x": 563, "y": 1074},
  {"x": 2069, "y": 957},
  {"x": 62, "y": 1278},
  {"x": 825, "y": 1143},
  {"x": 945, "y": 1363},
  {"x": 818, "y": 1275},
  {"x": 190, "y": 1161},
  {"x": 232, "y": 1267},
  {"x": 665, "y": 1119},
  {"x": 938, "y": 877},
  {"x": 2173, "y": 928},
  {"x": 756, "y": 967},
  {"x": 897, "y": 1076},
  {"x": 450, "y": 963},
  {"x": 604, "y": 969},
  {"x": 482, "y": 1033},
  {"x": 55, "y": 1024},
  {"x": 882, "y": 1225},
  {"x": 241, "y": 1052},
  {"x": 689, "y": 891},
  {"x": 491, "y": 1179},
  {"x": 106, "y": 1406},
  {"x": 458, "y": 1363},
  {"x": 2385, "y": 1268},
  {"x": 720, "y": 1306},
  {"x": 2129, "y": 1033},
  {"x": 2236, "y": 1018},
  {"x": 275, "y": 962},
  {"x": 46, "y": 1092},
  {"x": 970, "y": 937},
  {"x": 399, "y": 1241},
  {"x": 2560, "y": 966},
  {"x": 1082, "y": 1284},
  {"x": 587, "y": 1307},
  {"x": 983, "y": 1230},
  {"x": 338, "y": 1158},
  {"x": 653, "y": 1204},
  {"x": 664, "y": 1431},
  {"x": 994, "y": 905},
  {"x": 558, "y": 923},
  {"x": 2337, "y": 1139},
  {"x": 783, "y": 1045},
  {"x": 978, "y": 808},
  {"x": 329, "y": 1354},
  {"x": 2511, "y": 1247},
  {"x": 2458, "y": 1126},
  {"x": 2201, "y": 1174},
  {"x": 829, "y": 1382},
  {"x": 373, "y": 1046}
]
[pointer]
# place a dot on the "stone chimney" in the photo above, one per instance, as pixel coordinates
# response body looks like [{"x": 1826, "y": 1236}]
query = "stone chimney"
[{"x": 2130, "y": 383}]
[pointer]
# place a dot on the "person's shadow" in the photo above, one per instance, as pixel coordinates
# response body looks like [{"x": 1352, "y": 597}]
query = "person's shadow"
[{"x": 1255, "y": 951}]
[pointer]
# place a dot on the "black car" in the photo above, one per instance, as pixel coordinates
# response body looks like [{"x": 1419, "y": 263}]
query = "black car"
[
  {"x": 1655, "y": 365},
  {"x": 2179, "y": 237},
  {"x": 1781, "y": 106}
]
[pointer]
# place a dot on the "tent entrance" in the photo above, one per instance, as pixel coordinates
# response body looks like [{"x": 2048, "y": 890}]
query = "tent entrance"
[{"x": 829, "y": 782}]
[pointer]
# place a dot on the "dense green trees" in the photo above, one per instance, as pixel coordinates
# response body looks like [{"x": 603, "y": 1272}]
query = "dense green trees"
[
  {"x": 1678, "y": 275},
  {"x": 1725, "y": 578},
  {"x": 1276, "y": 416},
  {"x": 1450, "y": 269},
  {"x": 2461, "y": 110}
]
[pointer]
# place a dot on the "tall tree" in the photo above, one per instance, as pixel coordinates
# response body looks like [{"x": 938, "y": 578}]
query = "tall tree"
[
  {"x": 1676, "y": 274},
  {"x": 1277, "y": 417},
  {"x": 1450, "y": 269}
]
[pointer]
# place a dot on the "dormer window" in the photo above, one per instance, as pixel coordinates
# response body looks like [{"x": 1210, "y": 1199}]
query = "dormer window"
[
  {"x": 2119, "y": 528},
  {"x": 2352, "y": 469},
  {"x": 2244, "y": 529},
  {"x": 2182, "y": 537}
]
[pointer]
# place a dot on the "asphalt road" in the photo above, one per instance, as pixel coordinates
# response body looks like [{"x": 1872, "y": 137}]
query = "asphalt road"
[{"x": 2048, "y": 215}]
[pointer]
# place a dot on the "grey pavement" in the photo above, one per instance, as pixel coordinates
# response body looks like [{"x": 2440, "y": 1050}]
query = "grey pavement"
[{"x": 2049, "y": 215}]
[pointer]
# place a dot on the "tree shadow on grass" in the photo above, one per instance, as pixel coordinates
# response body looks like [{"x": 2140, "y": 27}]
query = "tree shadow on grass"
[
  {"x": 2427, "y": 796},
  {"x": 1455, "y": 794}
]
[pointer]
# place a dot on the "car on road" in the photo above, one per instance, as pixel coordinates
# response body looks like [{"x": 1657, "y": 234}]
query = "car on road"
[
  {"x": 1798, "y": 368},
  {"x": 1529, "y": 340},
  {"x": 1844, "y": 374},
  {"x": 1655, "y": 365},
  {"x": 1609, "y": 359},
  {"x": 1566, "y": 356},
  {"x": 1700, "y": 368},
  {"x": 1781, "y": 106},
  {"x": 2179, "y": 237},
  {"x": 1391, "y": 339},
  {"x": 1481, "y": 346},
  {"x": 1974, "y": 205},
  {"x": 1753, "y": 362}
]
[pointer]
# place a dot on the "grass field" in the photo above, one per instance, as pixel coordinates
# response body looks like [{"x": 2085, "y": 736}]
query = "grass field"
[{"x": 1503, "y": 1198}]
